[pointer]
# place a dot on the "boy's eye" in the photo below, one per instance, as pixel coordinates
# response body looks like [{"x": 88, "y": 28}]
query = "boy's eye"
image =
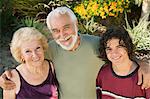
[
  {"x": 108, "y": 49},
  {"x": 120, "y": 46}
]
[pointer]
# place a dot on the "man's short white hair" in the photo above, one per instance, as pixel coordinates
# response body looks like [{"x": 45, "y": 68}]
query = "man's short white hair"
[{"x": 58, "y": 12}]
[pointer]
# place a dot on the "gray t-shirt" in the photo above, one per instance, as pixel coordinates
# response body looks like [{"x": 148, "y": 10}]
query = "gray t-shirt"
[{"x": 77, "y": 70}]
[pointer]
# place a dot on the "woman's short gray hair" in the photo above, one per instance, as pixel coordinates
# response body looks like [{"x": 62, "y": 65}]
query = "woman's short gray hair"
[
  {"x": 22, "y": 35},
  {"x": 58, "y": 12}
]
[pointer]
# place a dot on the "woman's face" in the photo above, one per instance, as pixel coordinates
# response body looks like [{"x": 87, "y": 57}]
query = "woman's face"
[
  {"x": 115, "y": 52},
  {"x": 32, "y": 52}
]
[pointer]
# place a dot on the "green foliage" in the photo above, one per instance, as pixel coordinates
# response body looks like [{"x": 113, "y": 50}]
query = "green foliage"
[
  {"x": 91, "y": 27},
  {"x": 31, "y": 8},
  {"x": 140, "y": 34},
  {"x": 32, "y": 22},
  {"x": 138, "y": 2},
  {"x": 26, "y": 7},
  {"x": 7, "y": 18}
]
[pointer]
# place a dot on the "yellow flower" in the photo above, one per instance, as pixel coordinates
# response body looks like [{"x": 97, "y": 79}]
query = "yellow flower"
[
  {"x": 103, "y": 17},
  {"x": 114, "y": 4},
  {"x": 104, "y": 3},
  {"x": 119, "y": 3},
  {"x": 102, "y": 14},
  {"x": 101, "y": 9},
  {"x": 91, "y": 8},
  {"x": 120, "y": 10},
  {"x": 114, "y": 10},
  {"x": 95, "y": 6},
  {"x": 106, "y": 9},
  {"x": 111, "y": 14}
]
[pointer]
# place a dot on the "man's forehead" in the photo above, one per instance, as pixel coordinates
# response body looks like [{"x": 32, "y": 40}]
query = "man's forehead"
[{"x": 63, "y": 24}]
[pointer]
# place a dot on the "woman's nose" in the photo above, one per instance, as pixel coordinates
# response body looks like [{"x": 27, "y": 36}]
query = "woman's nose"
[{"x": 34, "y": 54}]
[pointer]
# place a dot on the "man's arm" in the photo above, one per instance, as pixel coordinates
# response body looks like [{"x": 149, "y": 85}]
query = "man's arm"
[
  {"x": 144, "y": 74},
  {"x": 5, "y": 83},
  {"x": 9, "y": 94}
]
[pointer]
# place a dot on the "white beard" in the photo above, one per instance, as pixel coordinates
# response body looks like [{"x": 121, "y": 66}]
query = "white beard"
[{"x": 70, "y": 46}]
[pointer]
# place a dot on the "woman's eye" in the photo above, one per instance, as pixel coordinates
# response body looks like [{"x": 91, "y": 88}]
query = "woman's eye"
[
  {"x": 38, "y": 47},
  {"x": 27, "y": 51}
]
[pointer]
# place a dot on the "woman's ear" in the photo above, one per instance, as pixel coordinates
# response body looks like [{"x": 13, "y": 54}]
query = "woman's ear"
[{"x": 22, "y": 59}]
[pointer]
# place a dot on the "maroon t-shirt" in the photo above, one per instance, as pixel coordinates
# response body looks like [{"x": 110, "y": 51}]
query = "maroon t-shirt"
[{"x": 109, "y": 85}]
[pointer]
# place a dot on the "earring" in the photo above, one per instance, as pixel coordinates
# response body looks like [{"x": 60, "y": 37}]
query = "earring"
[{"x": 22, "y": 60}]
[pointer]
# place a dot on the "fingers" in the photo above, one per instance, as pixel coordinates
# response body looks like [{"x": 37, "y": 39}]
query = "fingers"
[
  {"x": 8, "y": 74},
  {"x": 145, "y": 83},
  {"x": 6, "y": 84},
  {"x": 143, "y": 79},
  {"x": 148, "y": 85},
  {"x": 144, "y": 75},
  {"x": 139, "y": 77}
]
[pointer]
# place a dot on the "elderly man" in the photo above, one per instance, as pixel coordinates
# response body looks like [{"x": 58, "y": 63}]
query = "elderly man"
[{"x": 75, "y": 56}]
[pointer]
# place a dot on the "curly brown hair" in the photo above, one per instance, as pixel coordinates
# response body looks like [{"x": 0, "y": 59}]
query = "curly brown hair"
[{"x": 124, "y": 40}]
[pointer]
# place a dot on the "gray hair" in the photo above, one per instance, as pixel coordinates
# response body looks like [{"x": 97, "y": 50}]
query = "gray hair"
[{"x": 58, "y": 12}]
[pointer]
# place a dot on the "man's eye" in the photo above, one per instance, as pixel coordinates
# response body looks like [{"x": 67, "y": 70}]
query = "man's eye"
[
  {"x": 55, "y": 31},
  {"x": 66, "y": 28}
]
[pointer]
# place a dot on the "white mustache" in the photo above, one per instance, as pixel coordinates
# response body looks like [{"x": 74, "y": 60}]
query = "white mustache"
[{"x": 66, "y": 38}]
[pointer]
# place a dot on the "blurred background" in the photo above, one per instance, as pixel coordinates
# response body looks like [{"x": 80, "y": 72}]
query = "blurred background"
[{"x": 94, "y": 17}]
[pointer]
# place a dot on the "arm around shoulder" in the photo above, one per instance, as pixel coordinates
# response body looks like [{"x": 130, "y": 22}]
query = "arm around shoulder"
[
  {"x": 144, "y": 74},
  {"x": 11, "y": 94}
]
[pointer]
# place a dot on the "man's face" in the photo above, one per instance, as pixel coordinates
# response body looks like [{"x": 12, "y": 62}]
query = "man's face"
[{"x": 64, "y": 31}]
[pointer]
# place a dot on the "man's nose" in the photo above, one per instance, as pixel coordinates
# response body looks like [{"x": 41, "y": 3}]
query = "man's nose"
[{"x": 62, "y": 34}]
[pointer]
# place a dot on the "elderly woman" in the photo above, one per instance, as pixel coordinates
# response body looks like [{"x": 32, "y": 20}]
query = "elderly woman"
[{"x": 35, "y": 76}]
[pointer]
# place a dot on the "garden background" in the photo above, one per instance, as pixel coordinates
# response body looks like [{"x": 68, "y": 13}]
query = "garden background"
[{"x": 94, "y": 17}]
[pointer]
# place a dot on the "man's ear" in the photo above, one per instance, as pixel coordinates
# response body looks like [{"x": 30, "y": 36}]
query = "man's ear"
[{"x": 76, "y": 23}]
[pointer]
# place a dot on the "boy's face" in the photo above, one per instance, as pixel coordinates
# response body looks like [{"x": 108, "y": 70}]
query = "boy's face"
[{"x": 115, "y": 52}]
